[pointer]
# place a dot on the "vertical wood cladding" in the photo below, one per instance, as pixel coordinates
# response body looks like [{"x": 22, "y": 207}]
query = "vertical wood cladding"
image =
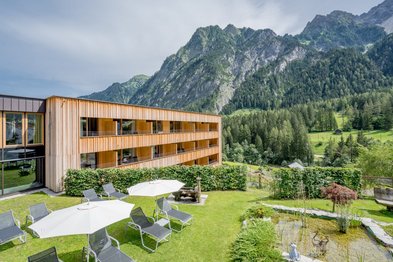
[{"x": 64, "y": 144}]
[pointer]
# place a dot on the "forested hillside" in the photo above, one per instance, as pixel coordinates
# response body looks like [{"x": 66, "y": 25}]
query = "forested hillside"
[
  {"x": 266, "y": 137},
  {"x": 338, "y": 73},
  {"x": 263, "y": 137}
]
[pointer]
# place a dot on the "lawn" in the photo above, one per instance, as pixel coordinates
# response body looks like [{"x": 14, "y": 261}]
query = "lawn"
[
  {"x": 250, "y": 167},
  {"x": 361, "y": 207},
  {"x": 13, "y": 179},
  {"x": 319, "y": 140},
  {"x": 209, "y": 238}
]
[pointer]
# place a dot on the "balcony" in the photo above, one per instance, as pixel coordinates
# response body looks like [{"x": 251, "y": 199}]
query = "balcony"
[
  {"x": 101, "y": 127},
  {"x": 108, "y": 159},
  {"x": 110, "y": 143}
]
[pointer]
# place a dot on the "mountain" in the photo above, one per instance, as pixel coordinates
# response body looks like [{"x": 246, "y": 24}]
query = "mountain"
[
  {"x": 381, "y": 14},
  {"x": 340, "y": 29},
  {"x": 204, "y": 74},
  {"x": 221, "y": 70},
  {"x": 320, "y": 76},
  {"x": 382, "y": 54},
  {"x": 119, "y": 92}
]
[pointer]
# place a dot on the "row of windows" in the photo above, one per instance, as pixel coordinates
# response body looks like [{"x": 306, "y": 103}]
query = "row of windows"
[
  {"x": 17, "y": 123},
  {"x": 102, "y": 126},
  {"x": 129, "y": 155}
]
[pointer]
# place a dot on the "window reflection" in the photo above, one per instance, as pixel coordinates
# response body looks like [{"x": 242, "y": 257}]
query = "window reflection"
[
  {"x": 34, "y": 129},
  {"x": 13, "y": 129},
  {"x": 128, "y": 127},
  {"x": 89, "y": 160}
]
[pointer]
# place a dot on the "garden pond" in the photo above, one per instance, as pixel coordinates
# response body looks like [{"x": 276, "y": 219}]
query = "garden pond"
[{"x": 356, "y": 245}]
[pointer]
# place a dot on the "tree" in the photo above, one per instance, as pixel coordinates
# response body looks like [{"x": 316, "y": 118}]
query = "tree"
[
  {"x": 342, "y": 197},
  {"x": 259, "y": 143},
  {"x": 328, "y": 156},
  {"x": 377, "y": 161},
  {"x": 339, "y": 195}
]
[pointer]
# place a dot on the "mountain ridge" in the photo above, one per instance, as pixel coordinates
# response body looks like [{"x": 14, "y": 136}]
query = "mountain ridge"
[
  {"x": 119, "y": 92},
  {"x": 205, "y": 74}
]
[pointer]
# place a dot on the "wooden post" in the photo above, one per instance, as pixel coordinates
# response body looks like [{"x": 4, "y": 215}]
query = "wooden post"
[
  {"x": 199, "y": 189},
  {"x": 260, "y": 180}
]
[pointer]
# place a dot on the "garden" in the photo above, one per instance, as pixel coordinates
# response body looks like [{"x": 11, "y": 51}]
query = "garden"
[{"x": 321, "y": 211}]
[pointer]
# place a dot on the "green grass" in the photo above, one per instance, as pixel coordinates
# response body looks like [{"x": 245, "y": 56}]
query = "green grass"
[
  {"x": 389, "y": 230},
  {"x": 13, "y": 179},
  {"x": 250, "y": 167},
  {"x": 319, "y": 140},
  {"x": 209, "y": 238},
  {"x": 340, "y": 119},
  {"x": 361, "y": 207}
]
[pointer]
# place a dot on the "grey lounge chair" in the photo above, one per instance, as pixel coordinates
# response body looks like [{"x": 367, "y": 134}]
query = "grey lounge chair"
[
  {"x": 110, "y": 191},
  {"x": 140, "y": 221},
  {"x": 37, "y": 212},
  {"x": 100, "y": 245},
  {"x": 49, "y": 255},
  {"x": 10, "y": 228},
  {"x": 90, "y": 195},
  {"x": 166, "y": 210}
]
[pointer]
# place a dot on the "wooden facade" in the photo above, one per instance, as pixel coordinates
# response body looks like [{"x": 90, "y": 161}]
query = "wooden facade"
[{"x": 197, "y": 142}]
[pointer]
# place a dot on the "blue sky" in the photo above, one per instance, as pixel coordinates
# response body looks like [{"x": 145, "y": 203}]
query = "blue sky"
[{"x": 75, "y": 47}]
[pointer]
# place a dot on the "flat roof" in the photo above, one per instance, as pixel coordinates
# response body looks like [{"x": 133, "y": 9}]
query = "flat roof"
[
  {"x": 141, "y": 106},
  {"x": 23, "y": 97}
]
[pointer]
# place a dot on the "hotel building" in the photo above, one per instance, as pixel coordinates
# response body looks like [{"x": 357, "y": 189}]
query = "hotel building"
[{"x": 42, "y": 138}]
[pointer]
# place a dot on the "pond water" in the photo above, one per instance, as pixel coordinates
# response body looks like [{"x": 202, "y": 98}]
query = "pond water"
[{"x": 357, "y": 245}]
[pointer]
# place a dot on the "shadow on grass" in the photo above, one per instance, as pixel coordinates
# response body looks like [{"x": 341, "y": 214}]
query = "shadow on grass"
[
  {"x": 134, "y": 238},
  {"x": 76, "y": 255},
  {"x": 9, "y": 245},
  {"x": 381, "y": 213},
  {"x": 259, "y": 199}
]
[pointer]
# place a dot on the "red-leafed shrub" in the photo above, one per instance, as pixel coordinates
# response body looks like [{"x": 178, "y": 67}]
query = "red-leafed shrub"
[{"x": 340, "y": 195}]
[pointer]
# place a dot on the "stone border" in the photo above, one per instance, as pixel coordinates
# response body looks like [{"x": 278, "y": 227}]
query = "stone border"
[
  {"x": 29, "y": 192},
  {"x": 371, "y": 225},
  {"x": 285, "y": 255}
]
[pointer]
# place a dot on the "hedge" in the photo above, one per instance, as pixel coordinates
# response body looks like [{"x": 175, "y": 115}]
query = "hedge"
[
  {"x": 212, "y": 178},
  {"x": 287, "y": 181}
]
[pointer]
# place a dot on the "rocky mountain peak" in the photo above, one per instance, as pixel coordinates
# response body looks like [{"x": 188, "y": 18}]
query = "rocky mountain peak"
[{"x": 381, "y": 14}]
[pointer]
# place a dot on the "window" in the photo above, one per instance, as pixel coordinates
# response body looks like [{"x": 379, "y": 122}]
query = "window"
[
  {"x": 89, "y": 160},
  {"x": 13, "y": 129},
  {"x": 128, "y": 156},
  {"x": 128, "y": 127},
  {"x": 157, "y": 127},
  {"x": 92, "y": 125},
  {"x": 157, "y": 151},
  {"x": 89, "y": 126},
  {"x": 180, "y": 148},
  {"x": 83, "y": 126},
  {"x": 35, "y": 129},
  {"x": 175, "y": 126}
]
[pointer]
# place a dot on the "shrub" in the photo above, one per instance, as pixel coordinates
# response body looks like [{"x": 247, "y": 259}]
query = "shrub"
[
  {"x": 256, "y": 242},
  {"x": 339, "y": 195},
  {"x": 24, "y": 172},
  {"x": 257, "y": 212},
  {"x": 343, "y": 223},
  {"x": 355, "y": 222},
  {"x": 286, "y": 181},
  {"x": 213, "y": 178}
]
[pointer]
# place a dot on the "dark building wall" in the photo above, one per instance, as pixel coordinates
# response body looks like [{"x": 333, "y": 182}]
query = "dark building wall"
[{"x": 22, "y": 104}]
